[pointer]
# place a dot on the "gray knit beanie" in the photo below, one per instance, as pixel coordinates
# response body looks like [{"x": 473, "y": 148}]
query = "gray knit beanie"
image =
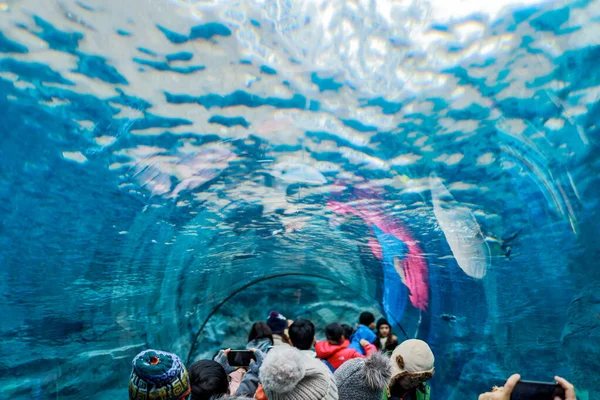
[
  {"x": 287, "y": 374},
  {"x": 364, "y": 378}
]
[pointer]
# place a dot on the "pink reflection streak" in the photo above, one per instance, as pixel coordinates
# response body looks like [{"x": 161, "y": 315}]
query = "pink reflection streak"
[{"x": 414, "y": 264}]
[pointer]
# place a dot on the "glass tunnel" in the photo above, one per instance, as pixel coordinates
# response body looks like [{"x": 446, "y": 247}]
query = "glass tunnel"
[{"x": 172, "y": 171}]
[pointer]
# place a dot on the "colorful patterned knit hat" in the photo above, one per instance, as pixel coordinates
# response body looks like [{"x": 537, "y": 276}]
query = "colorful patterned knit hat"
[{"x": 158, "y": 375}]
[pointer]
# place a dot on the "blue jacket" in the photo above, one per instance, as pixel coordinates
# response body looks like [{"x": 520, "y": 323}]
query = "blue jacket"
[{"x": 363, "y": 332}]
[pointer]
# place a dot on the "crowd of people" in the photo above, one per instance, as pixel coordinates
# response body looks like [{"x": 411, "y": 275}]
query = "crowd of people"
[{"x": 363, "y": 363}]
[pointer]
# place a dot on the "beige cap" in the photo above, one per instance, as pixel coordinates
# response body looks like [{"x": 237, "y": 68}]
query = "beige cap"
[{"x": 416, "y": 357}]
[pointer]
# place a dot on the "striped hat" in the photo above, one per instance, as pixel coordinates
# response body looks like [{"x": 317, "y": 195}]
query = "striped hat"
[{"x": 158, "y": 375}]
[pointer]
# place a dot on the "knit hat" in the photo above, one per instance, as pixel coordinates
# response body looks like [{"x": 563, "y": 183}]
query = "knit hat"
[
  {"x": 158, "y": 375},
  {"x": 381, "y": 322},
  {"x": 364, "y": 378},
  {"x": 287, "y": 374},
  {"x": 412, "y": 356},
  {"x": 277, "y": 322}
]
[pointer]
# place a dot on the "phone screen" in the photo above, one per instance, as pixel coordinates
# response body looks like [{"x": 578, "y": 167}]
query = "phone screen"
[
  {"x": 526, "y": 390},
  {"x": 241, "y": 358}
]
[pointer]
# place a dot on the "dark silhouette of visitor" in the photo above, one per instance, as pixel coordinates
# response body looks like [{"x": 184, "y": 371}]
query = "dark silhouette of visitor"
[
  {"x": 364, "y": 331},
  {"x": 208, "y": 379}
]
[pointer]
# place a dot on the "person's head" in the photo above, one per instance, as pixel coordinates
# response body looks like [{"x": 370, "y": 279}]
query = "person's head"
[
  {"x": 335, "y": 333},
  {"x": 367, "y": 319},
  {"x": 364, "y": 378},
  {"x": 288, "y": 375},
  {"x": 158, "y": 375},
  {"x": 277, "y": 322},
  {"x": 348, "y": 331},
  {"x": 260, "y": 330},
  {"x": 412, "y": 364},
  {"x": 208, "y": 379},
  {"x": 384, "y": 329},
  {"x": 302, "y": 334}
]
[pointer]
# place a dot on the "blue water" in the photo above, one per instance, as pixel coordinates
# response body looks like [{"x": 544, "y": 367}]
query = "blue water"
[{"x": 171, "y": 171}]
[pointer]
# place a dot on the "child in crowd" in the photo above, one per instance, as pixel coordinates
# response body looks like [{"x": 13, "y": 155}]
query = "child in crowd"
[
  {"x": 348, "y": 331},
  {"x": 302, "y": 336},
  {"x": 386, "y": 341},
  {"x": 279, "y": 325},
  {"x": 260, "y": 337},
  {"x": 336, "y": 349},
  {"x": 366, "y": 325}
]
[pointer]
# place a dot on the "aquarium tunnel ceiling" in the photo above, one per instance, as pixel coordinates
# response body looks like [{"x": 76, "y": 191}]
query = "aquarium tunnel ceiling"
[{"x": 172, "y": 171}]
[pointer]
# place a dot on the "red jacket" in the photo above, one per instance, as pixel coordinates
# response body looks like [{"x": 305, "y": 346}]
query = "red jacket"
[{"x": 337, "y": 354}]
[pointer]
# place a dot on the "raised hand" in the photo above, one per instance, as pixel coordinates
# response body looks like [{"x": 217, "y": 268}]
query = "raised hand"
[
  {"x": 221, "y": 358},
  {"x": 569, "y": 388},
  {"x": 260, "y": 357},
  {"x": 504, "y": 392}
]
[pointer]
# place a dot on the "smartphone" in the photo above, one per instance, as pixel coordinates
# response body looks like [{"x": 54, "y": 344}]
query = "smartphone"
[
  {"x": 527, "y": 390},
  {"x": 242, "y": 358}
]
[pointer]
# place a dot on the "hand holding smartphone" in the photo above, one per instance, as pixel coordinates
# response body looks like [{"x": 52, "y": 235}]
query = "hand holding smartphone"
[
  {"x": 529, "y": 390},
  {"x": 515, "y": 389}
]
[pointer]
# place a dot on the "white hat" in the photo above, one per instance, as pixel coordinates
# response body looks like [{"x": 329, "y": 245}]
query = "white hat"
[{"x": 412, "y": 356}]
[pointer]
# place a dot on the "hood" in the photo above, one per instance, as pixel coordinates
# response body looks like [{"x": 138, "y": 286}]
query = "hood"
[
  {"x": 326, "y": 350},
  {"x": 363, "y": 332},
  {"x": 260, "y": 344}
]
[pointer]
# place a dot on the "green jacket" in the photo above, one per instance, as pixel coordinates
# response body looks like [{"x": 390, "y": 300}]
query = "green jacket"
[{"x": 426, "y": 395}]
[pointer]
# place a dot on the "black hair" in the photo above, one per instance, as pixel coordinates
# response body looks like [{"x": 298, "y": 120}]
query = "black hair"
[
  {"x": 392, "y": 340},
  {"x": 302, "y": 334},
  {"x": 260, "y": 330},
  {"x": 208, "y": 379},
  {"x": 348, "y": 331},
  {"x": 334, "y": 332},
  {"x": 366, "y": 318}
]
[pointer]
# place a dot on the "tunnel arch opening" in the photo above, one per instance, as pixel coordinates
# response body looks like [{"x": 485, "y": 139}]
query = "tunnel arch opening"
[{"x": 248, "y": 285}]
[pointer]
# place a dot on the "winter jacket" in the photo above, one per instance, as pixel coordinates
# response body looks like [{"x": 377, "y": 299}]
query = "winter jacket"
[
  {"x": 421, "y": 393},
  {"x": 236, "y": 378},
  {"x": 363, "y": 332},
  {"x": 337, "y": 354},
  {"x": 250, "y": 383},
  {"x": 260, "y": 344},
  {"x": 260, "y": 393}
]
